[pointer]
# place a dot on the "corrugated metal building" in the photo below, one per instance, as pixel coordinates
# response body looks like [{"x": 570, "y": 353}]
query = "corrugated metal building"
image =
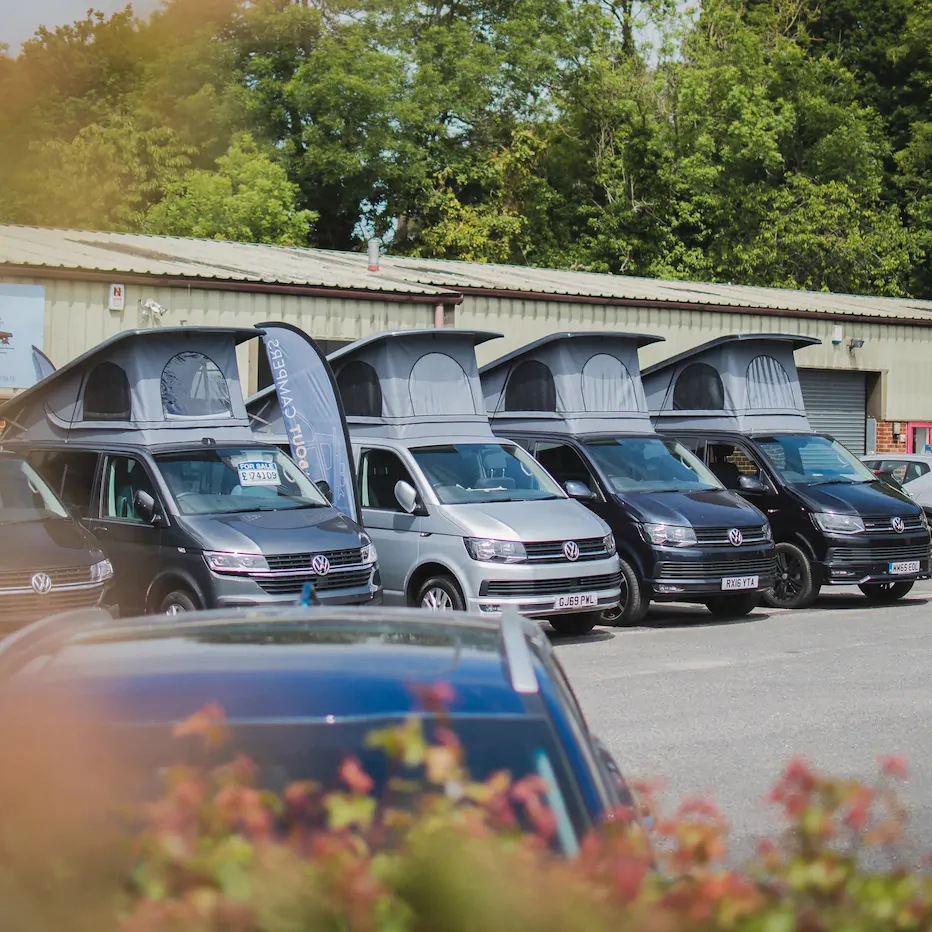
[{"x": 871, "y": 372}]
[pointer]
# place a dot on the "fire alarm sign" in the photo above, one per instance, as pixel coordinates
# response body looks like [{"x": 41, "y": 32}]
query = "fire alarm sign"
[{"x": 117, "y": 299}]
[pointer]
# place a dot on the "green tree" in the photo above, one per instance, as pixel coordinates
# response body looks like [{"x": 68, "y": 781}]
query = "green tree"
[{"x": 248, "y": 198}]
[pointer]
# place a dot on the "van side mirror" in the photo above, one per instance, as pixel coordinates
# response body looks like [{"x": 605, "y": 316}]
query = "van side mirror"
[
  {"x": 578, "y": 490},
  {"x": 406, "y": 496},
  {"x": 325, "y": 489},
  {"x": 146, "y": 508},
  {"x": 751, "y": 484}
]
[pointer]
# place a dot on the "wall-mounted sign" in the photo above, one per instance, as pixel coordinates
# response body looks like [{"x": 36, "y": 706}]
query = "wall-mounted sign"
[
  {"x": 22, "y": 326},
  {"x": 117, "y": 298}
]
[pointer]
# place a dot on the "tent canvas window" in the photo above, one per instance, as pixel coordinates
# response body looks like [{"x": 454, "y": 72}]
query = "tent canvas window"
[
  {"x": 699, "y": 388},
  {"x": 193, "y": 386},
  {"x": 106, "y": 394},
  {"x": 449, "y": 391},
  {"x": 531, "y": 388},
  {"x": 768, "y": 384},
  {"x": 358, "y": 384},
  {"x": 607, "y": 385}
]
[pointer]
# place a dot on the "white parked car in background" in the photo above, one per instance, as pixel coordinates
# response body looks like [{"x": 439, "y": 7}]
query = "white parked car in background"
[{"x": 912, "y": 471}]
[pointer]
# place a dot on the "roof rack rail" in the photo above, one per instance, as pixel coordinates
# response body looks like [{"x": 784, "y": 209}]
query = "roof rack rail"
[
  {"x": 18, "y": 648},
  {"x": 517, "y": 653}
]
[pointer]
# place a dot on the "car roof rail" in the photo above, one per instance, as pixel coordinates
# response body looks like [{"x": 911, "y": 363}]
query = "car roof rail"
[
  {"x": 22, "y": 646},
  {"x": 518, "y": 653}
]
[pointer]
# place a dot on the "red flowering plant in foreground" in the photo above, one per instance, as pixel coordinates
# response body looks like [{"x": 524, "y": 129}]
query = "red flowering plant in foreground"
[{"x": 434, "y": 850}]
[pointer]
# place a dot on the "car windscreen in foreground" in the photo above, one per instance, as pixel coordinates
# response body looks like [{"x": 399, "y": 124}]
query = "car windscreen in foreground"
[
  {"x": 808, "y": 459},
  {"x": 290, "y": 751},
  {"x": 650, "y": 464},
  {"x": 226, "y": 481}
]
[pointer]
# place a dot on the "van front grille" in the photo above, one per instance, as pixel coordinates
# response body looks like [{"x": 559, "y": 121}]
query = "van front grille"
[
  {"x": 551, "y": 551},
  {"x": 294, "y": 584},
  {"x": 879, "y": 553},
  {"x": 302, "y": 561},
  {"x": 20, "y": 609},
  {"x": 517, "y": 587},
  {"x": 712, "y": 569},
  {"x": 60, "y": 576},
  {"x": 883, "y": 524},
  {"x": 718, "y": 536}
]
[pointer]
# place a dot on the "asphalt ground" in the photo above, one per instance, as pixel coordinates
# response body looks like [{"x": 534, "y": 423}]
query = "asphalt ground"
[{"x": 718, "y": 709}]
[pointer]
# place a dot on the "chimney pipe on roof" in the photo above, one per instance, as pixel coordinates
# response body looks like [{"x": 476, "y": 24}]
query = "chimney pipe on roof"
[{"x": 374, "y": 255}]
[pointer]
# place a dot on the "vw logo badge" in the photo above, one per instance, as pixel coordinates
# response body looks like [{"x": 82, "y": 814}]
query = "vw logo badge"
[
  {"x": 42, "y": 583},
  {"x": 898, "y": 525},
  {"x": 736, "y": 537},
  {"x": 571, "y": 550},
  {"x": 320, "y": 565}
]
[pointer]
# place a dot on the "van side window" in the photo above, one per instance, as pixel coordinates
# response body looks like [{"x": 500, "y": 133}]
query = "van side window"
[
  {"x": 123, "y": 478},
  {"x": 729, "y": 462},
  {"x": 564, "y": 464},
  {"x": 379, "y": 471},
  {"x": 70, "y": 475}
]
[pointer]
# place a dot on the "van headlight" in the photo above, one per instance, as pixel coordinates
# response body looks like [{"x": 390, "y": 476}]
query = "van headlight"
[
  {"x": 236, "y": 562},
  {"x": 101, "y": 570},
  {"x": 608, "y": 542},
  {"x": 368, "y": 552},
  {"x": 674, "y": 534},
  {"x": 495, "y": 551},
  {"x": 837, "y": 524}
]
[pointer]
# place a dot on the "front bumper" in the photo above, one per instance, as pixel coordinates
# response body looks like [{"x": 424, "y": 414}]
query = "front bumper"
[
  {"x": 536, "y": 590},
  {"x": 239, "y": 591},
  {"x": 683, "y": 574},
  {"x": 873, "y": 560}
]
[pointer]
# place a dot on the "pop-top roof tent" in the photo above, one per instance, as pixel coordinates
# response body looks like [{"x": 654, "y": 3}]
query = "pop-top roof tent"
[
  {"x": 745, "y": 382},
  {"x": 265, "y": 416},
  {"x": 166, "y": 385},
  {"x": 574, "y": 383},
  {"x": 413, "y": 383}
]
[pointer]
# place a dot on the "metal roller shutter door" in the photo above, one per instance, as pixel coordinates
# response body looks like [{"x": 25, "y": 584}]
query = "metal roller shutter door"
[{"x": 836, "y": 403}]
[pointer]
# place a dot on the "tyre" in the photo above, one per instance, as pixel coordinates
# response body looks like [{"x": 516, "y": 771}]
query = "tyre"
[
  {"x": 177, "y": 602},
  {"x": 575, "y": 624},
  {"x": 733, "y": 606},
  {"x": 633, "y": 605},
  {"x": 441, "y": 594},
  {"x": 885, "y": 591},
  {"x": 794, "y": 585}
]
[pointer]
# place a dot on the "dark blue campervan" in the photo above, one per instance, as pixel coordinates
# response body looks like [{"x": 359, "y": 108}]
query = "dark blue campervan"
[{"x": 575, "y": 401}]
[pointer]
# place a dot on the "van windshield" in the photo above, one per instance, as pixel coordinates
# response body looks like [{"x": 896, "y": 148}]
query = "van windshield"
[
  {"x": 650, "y": 464},
  {"x": 808, "y": 459},
  {"x": 227, "y": 481},
  {"x": 473, "y": 473},
  {"x": 24, "y": 496}
]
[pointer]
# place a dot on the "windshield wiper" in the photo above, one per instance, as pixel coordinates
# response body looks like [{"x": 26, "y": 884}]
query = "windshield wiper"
[{"x": 840, "y": 481}]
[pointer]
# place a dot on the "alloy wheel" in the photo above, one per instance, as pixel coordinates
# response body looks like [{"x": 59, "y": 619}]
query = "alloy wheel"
[
  {"x": 437, "y": 600},
  {"x": 789, "y": 580}
]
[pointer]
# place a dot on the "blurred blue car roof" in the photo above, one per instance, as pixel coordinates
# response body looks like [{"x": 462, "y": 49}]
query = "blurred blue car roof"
[{"x": 286, "y": 666}]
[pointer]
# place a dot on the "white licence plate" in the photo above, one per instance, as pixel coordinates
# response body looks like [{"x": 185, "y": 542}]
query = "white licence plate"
[
  {"x": 910, "y": 566},
  {"x": 582, "y": 600},
  {"x": 740, "y": 582}
]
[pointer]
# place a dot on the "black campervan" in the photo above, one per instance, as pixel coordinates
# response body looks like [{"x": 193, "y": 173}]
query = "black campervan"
[
  {"x": 145, "y": 439},
  {"x": 575, "y": 401},
  {"x": 737, "y": 404}
]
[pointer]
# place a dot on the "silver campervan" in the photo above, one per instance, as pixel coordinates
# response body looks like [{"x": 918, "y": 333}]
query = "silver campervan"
[{"x": 462, "y": 519}]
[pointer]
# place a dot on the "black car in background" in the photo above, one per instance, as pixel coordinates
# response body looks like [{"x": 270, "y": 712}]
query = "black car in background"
[
  {"x": 303, "y": 688},
  {"x": 48, "y": 562}
]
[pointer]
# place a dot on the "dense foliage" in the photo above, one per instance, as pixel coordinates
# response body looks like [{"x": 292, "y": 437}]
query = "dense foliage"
[
  {"x": 434, "y": 850},
  {"x": 774, "y": 142}
]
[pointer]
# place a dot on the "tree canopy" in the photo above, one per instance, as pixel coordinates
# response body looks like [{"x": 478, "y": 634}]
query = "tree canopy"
[{"x": 770, "y": 143}]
